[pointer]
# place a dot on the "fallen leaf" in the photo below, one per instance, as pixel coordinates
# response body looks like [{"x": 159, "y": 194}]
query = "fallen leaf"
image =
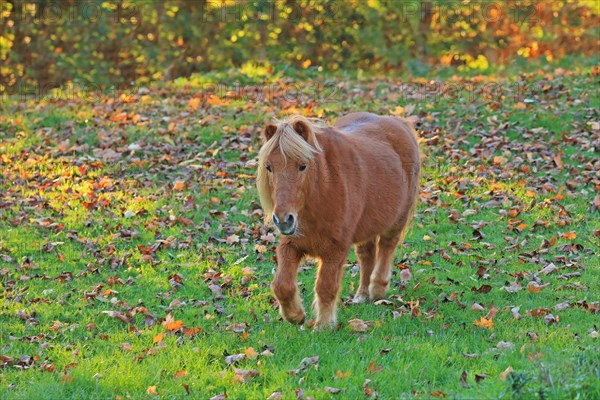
[
  {"x": 342, "y": 375},
  {"x": 250, "y": 353},
  {"x": 358, "y": 325},
  {"x": 180, "y": 374},
  {"x": 505, "y": 373},
  {"x": 332, "y": 390},
  {"x": 463, "y": 379},
  {"x": 534, "y": 287},
  {"x": 171, "y": 325},
  {"x": 405, "y": 275},
  {"x": 548, "y": 269},
  {"x": 484, "y": 323},
  {"x": 158, "y": 338},
  {"x": 242, "y": 375},
  {"x": 505, "y": 345},
  {"x": 234, "y": 358},
  {"x": 482, "y": 289},
  {"x": 152, "y": 391},
  {"x": 374, "y": 368}
]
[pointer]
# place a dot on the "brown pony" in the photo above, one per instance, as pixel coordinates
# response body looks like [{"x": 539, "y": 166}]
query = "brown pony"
[{"x": 326, "y": 188}]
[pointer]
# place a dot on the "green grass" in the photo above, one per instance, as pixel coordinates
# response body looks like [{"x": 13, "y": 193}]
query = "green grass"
[{"x": 74, "y": 216}]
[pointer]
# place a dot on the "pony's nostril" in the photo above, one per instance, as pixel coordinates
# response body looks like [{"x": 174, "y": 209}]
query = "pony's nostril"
[
  {"x": 289, "y": 219},
  {"x": 275, "y": 219}
]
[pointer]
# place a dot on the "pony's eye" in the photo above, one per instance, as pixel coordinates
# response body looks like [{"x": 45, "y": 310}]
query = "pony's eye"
[
  {"x": 302, "y": 167},
  {"x": 269, "y": 168}
]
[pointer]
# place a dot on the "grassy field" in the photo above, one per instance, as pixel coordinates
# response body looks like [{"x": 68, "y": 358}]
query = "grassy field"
[{"x": 134, "y": 262}]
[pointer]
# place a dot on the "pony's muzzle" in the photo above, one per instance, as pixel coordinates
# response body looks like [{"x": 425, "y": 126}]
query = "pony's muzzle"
[{"x": 286, "y": 225}]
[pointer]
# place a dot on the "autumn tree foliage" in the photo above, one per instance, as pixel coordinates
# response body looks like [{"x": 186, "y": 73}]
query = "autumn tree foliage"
[{"x": 109, "y": 42}]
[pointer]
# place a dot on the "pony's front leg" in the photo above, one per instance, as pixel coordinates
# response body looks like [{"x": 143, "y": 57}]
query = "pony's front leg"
[
  {"x": 285, "y": 286},
  {"x": 327, "y": 288}
]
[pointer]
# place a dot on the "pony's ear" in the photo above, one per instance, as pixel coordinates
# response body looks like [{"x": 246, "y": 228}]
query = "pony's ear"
[
  {"x": 269, "y": 131},
  {"x": 302, "y": 129}
]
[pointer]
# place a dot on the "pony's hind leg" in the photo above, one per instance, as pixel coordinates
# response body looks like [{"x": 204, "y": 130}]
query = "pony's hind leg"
[
  {"x": 380, "y": 278},
  {"x": 327, "y": 288},
  {"x": 366, "y": 252}
]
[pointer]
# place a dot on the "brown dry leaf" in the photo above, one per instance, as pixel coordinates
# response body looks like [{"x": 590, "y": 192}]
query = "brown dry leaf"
[
  {"x": 232, "y": 239},
  {"x": 562, "y": 306},
  {"x": 463, "y": 379},
  {"x": 484, "y": 323},
  {"x": 551, "y": 319},
  {"x": 477, "y": 307},
  {"x": 332, "y": 390},
  {"x": 482, "y": 289},
  {"x": 118, "y": 315},
  {"x": 512, "y": 287},
  {"x": 504, "y": 374},
  {"x": 275, "y": 396},
  {"x": 570, "y": 235},
  {"x": 548, "y": 269},
  {"x": 358, "y": 325},
  {"x": 405, "y": 275},
  {"x": 242, "y": 375},
  {"x": 152, "y": 391},
  {"x": 180, "y": 374},
  {"x": 342, "y": 375},
  {"x": 374, "y": 368},
  {"x": 438, "y": 393},
  {"x": 492, "y": 313},
  {"x": 534, "y": 287}
]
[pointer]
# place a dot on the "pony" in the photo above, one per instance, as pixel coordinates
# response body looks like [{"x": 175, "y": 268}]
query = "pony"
[{"x": 327, "y": 188}]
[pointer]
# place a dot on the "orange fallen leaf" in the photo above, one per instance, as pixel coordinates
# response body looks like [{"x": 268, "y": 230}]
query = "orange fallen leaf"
[
  {"x": 152, "y": 391},
  {"x": 180, "y": 374},
  {"x": 534, "y": 287},
  {"x": 194, "y": 103},
  {"x": 570, "y": 235},
  {"x": 484, "y": 323},
  {"x": 374, "y": 368},
  {"x": 158, "y": 338},
  {"x": 178, "y": 185},
  {"x": 250, "y": 353},
  {"x": 171, "y": 325},
  {"x": 342, "y": 375}
]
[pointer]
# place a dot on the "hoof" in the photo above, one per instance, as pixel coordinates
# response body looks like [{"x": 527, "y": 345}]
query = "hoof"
[
  {"x": 377, "y": 292},
  {"x": 324, "y": 325},
  {"x": 360, "y": 298},
  {"x": 297, "y": 318}
]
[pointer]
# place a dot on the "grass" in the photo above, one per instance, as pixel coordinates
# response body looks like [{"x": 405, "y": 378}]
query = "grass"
[{"x": 168, "y": 224}]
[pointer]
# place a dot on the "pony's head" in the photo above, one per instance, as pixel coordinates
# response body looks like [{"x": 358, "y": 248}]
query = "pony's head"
[{"x": 285, "y": 163}]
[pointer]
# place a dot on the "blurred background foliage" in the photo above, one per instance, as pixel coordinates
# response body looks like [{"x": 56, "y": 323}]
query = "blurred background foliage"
[{"x": 51, "y": 42}]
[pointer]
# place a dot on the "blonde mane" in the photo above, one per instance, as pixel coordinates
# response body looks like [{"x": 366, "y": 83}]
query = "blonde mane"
[{"x": 291, "y": 145}]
